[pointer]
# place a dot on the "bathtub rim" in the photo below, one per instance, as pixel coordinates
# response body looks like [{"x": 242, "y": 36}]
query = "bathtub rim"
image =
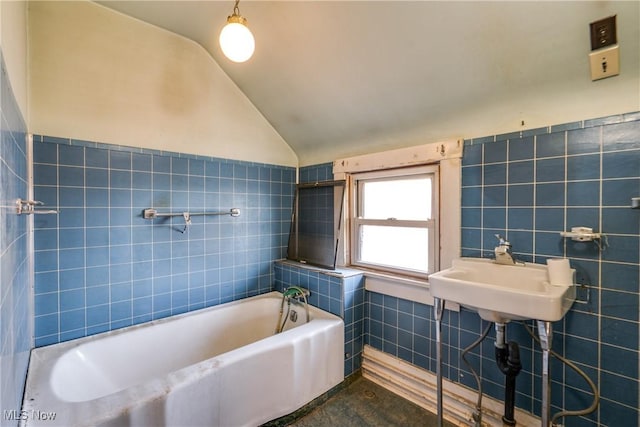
[
  {"x": 271, "y": 294},
  {"x": 43, "y": 359}
]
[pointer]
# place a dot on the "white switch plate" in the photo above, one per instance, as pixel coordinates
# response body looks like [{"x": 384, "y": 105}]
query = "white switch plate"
[{"x": 605, "y": 62}]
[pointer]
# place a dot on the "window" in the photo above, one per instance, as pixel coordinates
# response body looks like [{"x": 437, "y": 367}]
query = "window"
[
  {"x": 394, "y": 226},
  {"x": 315, "y": 226}
]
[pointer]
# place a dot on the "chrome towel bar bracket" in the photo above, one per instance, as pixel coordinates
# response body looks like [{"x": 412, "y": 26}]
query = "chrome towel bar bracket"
[{"x": 28, "y": 207}]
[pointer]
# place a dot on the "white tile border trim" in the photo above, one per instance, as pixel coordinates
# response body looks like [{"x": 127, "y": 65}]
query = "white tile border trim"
[{"x": 419, "y": 386}]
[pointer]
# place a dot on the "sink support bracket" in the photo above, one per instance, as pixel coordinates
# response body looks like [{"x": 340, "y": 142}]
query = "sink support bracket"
[
  {"x": 438, "y": 308},
  {"x": 545, "y": 335}
]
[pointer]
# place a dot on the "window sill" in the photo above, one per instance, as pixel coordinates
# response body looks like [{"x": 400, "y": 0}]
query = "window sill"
[
  {"x": 402, "y": 287},
  {"x": 396, "y": 286},
  {"x": 338, "y": 272}
]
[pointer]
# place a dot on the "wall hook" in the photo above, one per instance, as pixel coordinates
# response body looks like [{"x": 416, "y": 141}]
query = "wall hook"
[{"x": 187, "y": 221}]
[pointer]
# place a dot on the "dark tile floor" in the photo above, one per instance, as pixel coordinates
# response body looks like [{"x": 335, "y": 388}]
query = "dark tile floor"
[{"x": 361, "y": 403}]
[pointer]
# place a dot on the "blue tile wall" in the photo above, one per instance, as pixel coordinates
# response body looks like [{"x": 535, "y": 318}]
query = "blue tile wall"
[
  {"x": 531, "y": 187},
  {"x": 99, "y": 265},
  {"x": 16, "y": 310},
  {"x": 404, "y": 329},
  {"x": 340, "y": 292},
  {"x": 315, "y": 173}
]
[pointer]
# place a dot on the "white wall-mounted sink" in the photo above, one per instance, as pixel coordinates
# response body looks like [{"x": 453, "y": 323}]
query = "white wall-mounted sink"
[{"x": 500, "y": 293}]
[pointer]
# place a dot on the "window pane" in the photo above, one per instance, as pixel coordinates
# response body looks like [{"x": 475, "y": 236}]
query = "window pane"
[
  {"x": 313, "y": 237},
  {"x": 400, "y": 247},
  {"x": 408, "y": 199}
]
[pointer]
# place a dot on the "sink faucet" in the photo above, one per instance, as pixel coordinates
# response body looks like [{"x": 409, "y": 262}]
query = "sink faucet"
[{"x": 503, "y": 252}]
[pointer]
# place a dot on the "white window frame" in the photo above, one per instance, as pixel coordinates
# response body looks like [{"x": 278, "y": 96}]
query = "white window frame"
[
  {"x": 448, "y": 155},
  {"x": 357, "y": 181}
]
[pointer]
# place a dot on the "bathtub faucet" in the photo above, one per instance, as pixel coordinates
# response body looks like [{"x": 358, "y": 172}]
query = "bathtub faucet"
[
  {"x": 296, "y": 292},
  {"x": 292, "y": 292}
]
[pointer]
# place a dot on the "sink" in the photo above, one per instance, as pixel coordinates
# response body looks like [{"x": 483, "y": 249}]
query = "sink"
[{"x": 500, "y": 293}]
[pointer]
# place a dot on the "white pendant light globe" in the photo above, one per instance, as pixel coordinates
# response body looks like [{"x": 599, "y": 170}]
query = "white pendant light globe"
[{"x": 236, "y": 40}]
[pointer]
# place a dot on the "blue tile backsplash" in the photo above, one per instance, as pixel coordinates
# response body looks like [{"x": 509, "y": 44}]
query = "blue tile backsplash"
[
  {"x": 529, "y": 187},
  {"x": 99, "y": 265},
  {"x": 16, "y": 309}
]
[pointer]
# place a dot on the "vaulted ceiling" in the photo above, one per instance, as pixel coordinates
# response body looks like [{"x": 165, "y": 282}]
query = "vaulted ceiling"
[{"x": 347, "y": 77}]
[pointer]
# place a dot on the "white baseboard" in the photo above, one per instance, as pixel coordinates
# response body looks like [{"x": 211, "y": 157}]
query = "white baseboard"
[{"x": 419, "y": 386}]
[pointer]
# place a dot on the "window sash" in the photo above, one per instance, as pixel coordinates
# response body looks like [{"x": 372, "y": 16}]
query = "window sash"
[
  {"x": 430, "y": 224},
  {"x": 392, "y": 222},
  {"x": 422, "y": 225},
  {"x": 398, "y": 211}
]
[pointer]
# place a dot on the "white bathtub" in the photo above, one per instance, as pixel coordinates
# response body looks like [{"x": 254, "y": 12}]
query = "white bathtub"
[{"x": 220, "y": 366}]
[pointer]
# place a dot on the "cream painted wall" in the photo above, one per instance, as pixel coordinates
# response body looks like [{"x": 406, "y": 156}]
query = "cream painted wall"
[
  {"x": 98, "y": 75},
  {"x": 544, "y": 102},
  {"x": 536, "y": 107},
  {"x": 13, "y": 41}
]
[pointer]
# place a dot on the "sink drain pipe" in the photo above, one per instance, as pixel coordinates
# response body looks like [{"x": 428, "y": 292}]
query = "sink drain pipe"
[{"x": 508, "y": 360}]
